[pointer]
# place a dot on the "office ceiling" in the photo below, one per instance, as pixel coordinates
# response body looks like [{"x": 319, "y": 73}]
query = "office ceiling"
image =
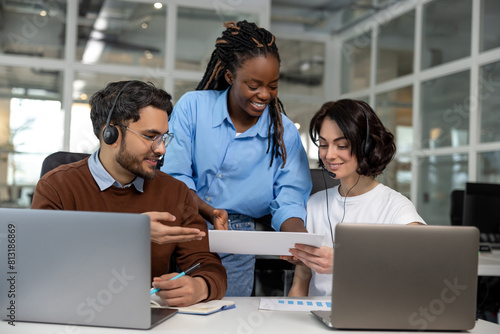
[
  {"x": 325, "y": 16},
  {"x": 315, "y": 16}
]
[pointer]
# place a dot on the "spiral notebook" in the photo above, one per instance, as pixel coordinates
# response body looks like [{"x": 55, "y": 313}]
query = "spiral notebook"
[{"x": 204, "y": 308}]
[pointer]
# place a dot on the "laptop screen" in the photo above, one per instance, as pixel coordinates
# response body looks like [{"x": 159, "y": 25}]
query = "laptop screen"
[
  {"x": 74, "y": 267},
  {"x": 404, "y": 277}
]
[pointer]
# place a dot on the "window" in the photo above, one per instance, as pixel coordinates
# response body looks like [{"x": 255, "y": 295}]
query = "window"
[
  {"x": 445, "y": 111},
  {"x": 121, "y": 32},
  {"x": 447, "y": 31},
  {"x": 489, "y": 24},
  {"x": 396, "y": 42},
  {"x": 489, "y": 102},
  {"x": 356, "y": 63}
]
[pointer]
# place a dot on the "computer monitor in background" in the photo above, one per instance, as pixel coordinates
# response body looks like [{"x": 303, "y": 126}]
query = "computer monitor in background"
[{"x": 482, "y": 209}]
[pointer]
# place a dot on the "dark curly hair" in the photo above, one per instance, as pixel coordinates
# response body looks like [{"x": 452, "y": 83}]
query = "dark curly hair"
[
  {"x": 239, "y": 42},
  {"x": 350, "y": 117},
  {"x": 136, "y": 95}
]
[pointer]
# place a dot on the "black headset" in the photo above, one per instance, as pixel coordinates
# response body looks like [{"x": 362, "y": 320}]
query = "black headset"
[
  {"x": 368, "y": 143},
  {"x": 366, "y": 146},
  {"x": 110, "y": 133}
]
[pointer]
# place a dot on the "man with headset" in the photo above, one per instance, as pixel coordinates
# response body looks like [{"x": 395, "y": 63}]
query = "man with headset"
[{"x": 130, "y": 119}]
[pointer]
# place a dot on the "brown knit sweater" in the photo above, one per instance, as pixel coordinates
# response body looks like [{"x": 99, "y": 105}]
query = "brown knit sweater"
[{"x": 72, "y": 187}]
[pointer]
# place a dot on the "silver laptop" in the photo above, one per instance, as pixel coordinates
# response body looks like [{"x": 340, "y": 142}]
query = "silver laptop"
[
  {"x": 74, "y": 267},
  {"x": 401, "y": 277}
]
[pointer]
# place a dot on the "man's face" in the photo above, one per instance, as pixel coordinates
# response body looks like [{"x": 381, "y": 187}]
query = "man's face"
[{"x": 135, "y": 156}]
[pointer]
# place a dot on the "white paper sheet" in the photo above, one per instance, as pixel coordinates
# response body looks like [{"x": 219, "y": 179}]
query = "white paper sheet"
[
  {"x": 259, "y": 242},
  {"x": 303, "y": 305}
]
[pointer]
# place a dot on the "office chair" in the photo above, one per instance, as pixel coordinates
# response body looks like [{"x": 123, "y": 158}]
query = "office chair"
[
  {"x": 319, "y": 177},
  {"x": 60, "y": 158},
  {"x": 457, "y": 207},
  {"x": 273, "y": 277}
]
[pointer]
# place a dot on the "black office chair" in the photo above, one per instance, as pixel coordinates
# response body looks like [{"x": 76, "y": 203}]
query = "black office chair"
[
  {"x": 56, "y": 159},
  {"x": 319, "y": 177},
  {"x": 273, "y": 277},
  {"x": 60, "y": 158},
  {"x": 457, "y": 207}
]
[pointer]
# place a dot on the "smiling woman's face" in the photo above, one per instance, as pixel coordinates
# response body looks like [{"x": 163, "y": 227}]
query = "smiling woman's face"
[{"x": 253, "y": 86}]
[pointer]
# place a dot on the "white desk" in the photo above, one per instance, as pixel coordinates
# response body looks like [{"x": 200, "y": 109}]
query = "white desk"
[
  {"x": 245, "y": 319},
  {"x": 489, "y": 264}
]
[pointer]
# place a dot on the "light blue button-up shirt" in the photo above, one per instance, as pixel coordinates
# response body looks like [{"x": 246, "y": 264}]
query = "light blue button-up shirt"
[
  {"x": 231, "y": 171},
  {"x": 104, "y": 180}
]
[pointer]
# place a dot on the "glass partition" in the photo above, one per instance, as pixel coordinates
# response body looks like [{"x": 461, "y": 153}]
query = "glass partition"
[
  {"x": 356, "y": 63},
  {"x": 446, "y": 31},
  {"x": 30, "y": 110},
  {"x": 195, "y": 46},
  {"x": 302, "y": 67},
  {"x": 489, "y": 102},
  {"x": 438, "y": 177},
  {"x": 121, "y": 32},
  {"x": 396, "y": 42},
  {"x": 395, "y": 110},
  {"x": 445, "y": 111},
  {"x": 490, "y": 10},
  {"x": 33, "y": 29},
  {"x": 488, "y": 170},
  {"x": 182, "y": 87}
]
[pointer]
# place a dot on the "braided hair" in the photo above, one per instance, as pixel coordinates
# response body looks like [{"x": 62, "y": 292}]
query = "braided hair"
[{"x": 239, "y": 42}]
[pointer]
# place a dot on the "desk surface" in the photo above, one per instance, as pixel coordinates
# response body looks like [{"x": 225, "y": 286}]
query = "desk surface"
[
  {"x": 489, "y": 264},
  {"x": 245, "y": 318}
]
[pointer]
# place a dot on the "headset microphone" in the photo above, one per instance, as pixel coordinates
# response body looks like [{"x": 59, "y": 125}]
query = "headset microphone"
[
  {"x": 160, "y": 162},
  {"x": 331, "y": 174}
]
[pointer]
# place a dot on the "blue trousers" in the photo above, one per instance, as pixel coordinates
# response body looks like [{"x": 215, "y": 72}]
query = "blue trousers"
[{"x": 239, "y": 267}]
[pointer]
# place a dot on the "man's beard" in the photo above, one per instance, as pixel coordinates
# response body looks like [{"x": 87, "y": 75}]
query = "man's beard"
[{"x": 133, "y": 164}]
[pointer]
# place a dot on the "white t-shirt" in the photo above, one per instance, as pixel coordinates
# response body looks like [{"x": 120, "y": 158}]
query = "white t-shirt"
[{"x": 381, "y": 205}]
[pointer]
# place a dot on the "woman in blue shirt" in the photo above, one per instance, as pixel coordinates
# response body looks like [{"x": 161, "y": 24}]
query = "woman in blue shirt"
[{"x": 236, "y": 149}]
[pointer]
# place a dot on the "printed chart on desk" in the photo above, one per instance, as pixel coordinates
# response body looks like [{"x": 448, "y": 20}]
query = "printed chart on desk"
[{"x": 277, "y": 304}]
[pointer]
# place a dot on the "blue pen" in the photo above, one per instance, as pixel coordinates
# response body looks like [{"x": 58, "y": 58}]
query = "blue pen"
[{"x": 187, "y": 271}]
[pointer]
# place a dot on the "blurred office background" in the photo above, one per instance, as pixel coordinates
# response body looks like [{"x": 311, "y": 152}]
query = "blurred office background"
[{"x": 431, "y": 69}]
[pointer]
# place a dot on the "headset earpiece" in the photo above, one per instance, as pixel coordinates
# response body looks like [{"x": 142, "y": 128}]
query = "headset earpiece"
[
  {"x": 367, "y": 144},
  {"x": 367, "y": 147},
  {"x": 110, "y": 133}
]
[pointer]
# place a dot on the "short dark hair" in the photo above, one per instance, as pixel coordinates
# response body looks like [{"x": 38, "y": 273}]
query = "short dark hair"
[
  {"x": 135, "y": 96},
  {"x": 350, "y": 117}
]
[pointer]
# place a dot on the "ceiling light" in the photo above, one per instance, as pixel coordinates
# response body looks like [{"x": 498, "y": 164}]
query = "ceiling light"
[
  {"x": 158, "y": 5},
  {"x": 297, "y": 125}
]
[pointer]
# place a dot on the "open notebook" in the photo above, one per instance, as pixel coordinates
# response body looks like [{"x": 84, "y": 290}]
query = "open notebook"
[{"x": 204, "y": 308}]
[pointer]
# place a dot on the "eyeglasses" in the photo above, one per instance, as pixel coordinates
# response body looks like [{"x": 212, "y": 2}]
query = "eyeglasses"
[{"x": 155, "y": 141}]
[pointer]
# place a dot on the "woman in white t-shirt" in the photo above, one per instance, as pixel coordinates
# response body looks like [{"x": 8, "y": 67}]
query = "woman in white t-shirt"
[{"x": 354, "y": 147}]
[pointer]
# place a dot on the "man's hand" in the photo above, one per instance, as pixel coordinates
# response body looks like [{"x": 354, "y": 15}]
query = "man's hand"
[
  {"x": 163, "y": 234},
  {"x": 183, "y": 291},
  {"x": 220, "y": 219},
  {"x": 318, "y": 259}
]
